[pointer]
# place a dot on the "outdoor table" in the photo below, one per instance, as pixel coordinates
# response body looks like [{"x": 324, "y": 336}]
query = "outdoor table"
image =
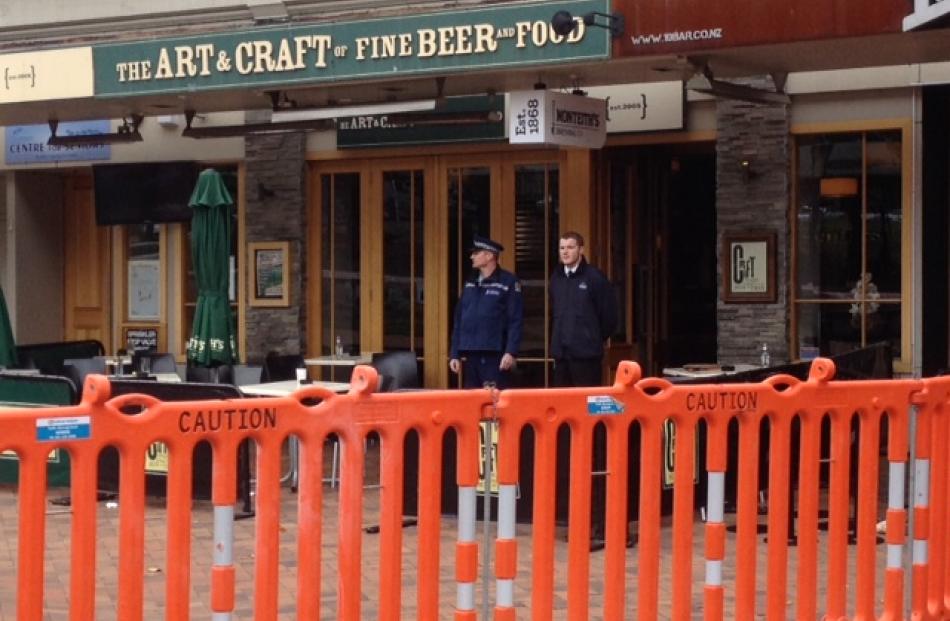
[
  {"x": 706, "y": 370},
  {"x": 285, "y": 388},
  {"x": 334, "y": 362},
  {"x": 117, "y": 366}
]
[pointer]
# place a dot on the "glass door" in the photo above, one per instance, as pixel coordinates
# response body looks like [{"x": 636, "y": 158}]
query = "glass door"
[
  {"x": 469, "y": 211},
  {"x": 536, "y": 233},
  {"x": 515, "y": 202},
  {"x": 389, "y": 249},
  {"x": 338, "y": 292},
  {"x": 402, "y": 195}
]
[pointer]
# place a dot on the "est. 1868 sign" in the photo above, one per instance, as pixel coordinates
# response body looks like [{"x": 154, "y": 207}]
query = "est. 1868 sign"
[
  {"x": 503, "y": 35},
  {"x": 554, "y": 118}
]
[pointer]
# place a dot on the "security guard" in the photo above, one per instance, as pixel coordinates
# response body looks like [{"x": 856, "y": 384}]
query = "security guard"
[
  {"x": 488, "y": 319},
  {"x": 584, "y": 309}
]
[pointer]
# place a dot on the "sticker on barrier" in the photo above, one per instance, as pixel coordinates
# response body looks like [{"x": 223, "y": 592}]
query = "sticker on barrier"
[
  {"x": 57, "y": 429},
  {"x": 599, "y": 405}
]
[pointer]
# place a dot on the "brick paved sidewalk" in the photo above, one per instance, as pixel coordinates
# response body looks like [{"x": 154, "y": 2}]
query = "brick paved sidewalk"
[{"x": 58, "y": 569}]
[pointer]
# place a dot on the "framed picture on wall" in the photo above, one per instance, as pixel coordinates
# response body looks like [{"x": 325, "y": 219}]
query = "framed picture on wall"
[
  {"x": 144, "y": 286},
  {"x": 748, "y": 267},
  {"x": 270, "y": 273}
]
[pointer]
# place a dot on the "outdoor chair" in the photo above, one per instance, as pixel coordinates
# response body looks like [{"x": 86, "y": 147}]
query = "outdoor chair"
[
  {"x": 159, "y": 362},
  {"x": 50, "y": 358},
  {"x": 398, "y": 370},
  {"x": 76, "y": 369},
  {"x": 246, "y": 374},
  {"x": 221, "y": 374},
  {"x": 279, "y": 367}
]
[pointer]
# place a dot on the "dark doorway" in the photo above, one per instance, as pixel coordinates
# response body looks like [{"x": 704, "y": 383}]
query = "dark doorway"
[
  {"x": 668, "y": 195},
  {"x": 936, "y": 227}
]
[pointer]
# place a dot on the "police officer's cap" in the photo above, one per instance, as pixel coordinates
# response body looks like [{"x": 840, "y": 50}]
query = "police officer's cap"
[{"x": 483, "y": 243}]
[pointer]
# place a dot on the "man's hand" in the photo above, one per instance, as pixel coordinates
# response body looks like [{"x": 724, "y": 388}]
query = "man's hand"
[
  {"x": 507, "y": 361},
  {"x": 455, "y": 365}
]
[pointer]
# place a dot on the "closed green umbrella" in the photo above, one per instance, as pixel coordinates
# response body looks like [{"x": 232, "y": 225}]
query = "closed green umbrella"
[
  {"x": 7, "y": 344},
  {"x": 212, "y": 336}
]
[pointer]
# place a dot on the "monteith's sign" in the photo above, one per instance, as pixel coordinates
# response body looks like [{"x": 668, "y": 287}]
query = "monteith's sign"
[
  {"x": 504, "y": 35},
  {"x": 553, "y": 118}
]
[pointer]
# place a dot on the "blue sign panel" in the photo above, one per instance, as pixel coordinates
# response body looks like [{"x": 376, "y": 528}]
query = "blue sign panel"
[
  {"x": 599, "y": 405},
  {"x": 57, "y": 429},
  {"x": 26, "y": 144}
]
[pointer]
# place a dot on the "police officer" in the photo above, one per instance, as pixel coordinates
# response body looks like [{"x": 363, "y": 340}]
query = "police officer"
[
  {"x": 585, "y": 315},
  {"x": 488, "y": 319}
]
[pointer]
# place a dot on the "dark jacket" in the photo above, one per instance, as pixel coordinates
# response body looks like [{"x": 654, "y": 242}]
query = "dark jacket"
[
  {"x": 488, "y": 316},
  {"x": 585, "y": 312}
]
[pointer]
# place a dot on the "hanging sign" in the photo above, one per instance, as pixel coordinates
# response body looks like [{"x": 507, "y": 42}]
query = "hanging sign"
[
  {"x": 508, "y": 35},
  {"x": 648, "y": 107},
  {"x": 27, "y": 144},
  {"x": 553, "y": 118}
]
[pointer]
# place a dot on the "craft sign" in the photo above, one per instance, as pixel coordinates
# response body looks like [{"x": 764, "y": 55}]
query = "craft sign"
[{"x": 509, "y": 35}]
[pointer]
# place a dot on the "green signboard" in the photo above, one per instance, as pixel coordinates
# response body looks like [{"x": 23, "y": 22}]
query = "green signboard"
[{"x": 511, "y": 35}]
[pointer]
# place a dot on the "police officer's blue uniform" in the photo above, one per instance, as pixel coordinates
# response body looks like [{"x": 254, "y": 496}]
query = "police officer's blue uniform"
[{"x": 488, "y": 322}]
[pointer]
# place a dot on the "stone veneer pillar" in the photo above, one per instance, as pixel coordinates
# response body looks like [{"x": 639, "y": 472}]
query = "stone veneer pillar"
[
  {"x": 277, "y": 211},
  {"x": 755, "y": 202}
]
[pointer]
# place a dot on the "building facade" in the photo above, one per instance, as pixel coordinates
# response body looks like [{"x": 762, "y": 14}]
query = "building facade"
[{"x": 781, "y": 185}]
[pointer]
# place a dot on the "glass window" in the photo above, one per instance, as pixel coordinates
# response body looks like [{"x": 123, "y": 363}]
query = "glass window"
[
  {"x": 469, "y": 206},
  {"x": 403, "y": 238},
  {"x": 144, "y": 269},
  {"x": 536, "y": 239},
  {"x": 340, "y": 280},
  {"x": 848, "y": 222},
  {"x": 536, "y": 243},
  {"x": 619, "y": 241}
]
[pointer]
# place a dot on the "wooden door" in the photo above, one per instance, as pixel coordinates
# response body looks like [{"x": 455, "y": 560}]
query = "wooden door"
[{"x": 87, "y": 265}]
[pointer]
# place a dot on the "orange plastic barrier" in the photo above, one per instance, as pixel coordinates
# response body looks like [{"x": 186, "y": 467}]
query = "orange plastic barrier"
[
  {"x": 931, "y": 542},
  {"x": 826, "y": 443},
  {"x": 84, "y": 430},
  {"x": 647, "y": 404}
]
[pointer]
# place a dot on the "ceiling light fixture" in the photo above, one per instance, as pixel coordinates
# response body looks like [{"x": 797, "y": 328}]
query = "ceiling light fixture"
[
  {"x": 446, "y": 118},
  {"x": 563, "y": 23},
  {"x": 342, "y": 112},
  {"x": 233, "y": 131},
  {"x": 128, "y": 131}
]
